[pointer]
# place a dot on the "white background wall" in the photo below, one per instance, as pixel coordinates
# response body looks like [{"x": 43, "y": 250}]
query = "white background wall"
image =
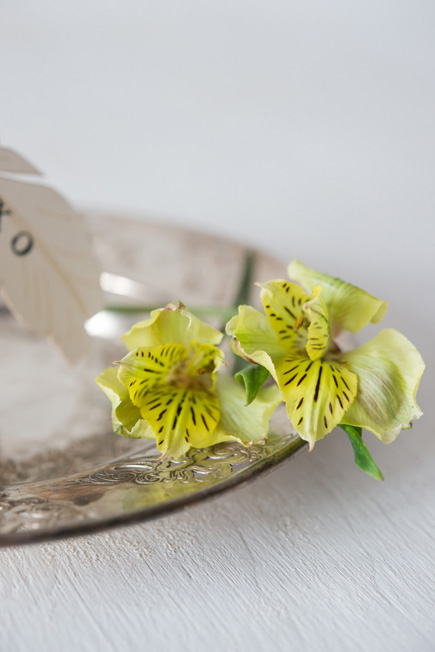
[
  {"x": 278, "y": 122},
  {"x": 306, "y": 129}
]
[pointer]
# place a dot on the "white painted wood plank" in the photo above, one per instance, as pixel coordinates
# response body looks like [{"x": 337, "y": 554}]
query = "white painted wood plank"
[{"x": 313, "y": 552}]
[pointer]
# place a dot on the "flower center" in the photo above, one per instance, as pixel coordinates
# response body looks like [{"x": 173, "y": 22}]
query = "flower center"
[
  {"x": 181, "y": 376},
  {"x": 195, "y": 371}
]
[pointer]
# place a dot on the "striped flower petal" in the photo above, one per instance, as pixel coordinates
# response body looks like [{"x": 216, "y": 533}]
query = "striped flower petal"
[
  {"x": 318, "y": 330},
  {"x": 180, "y": 417},
  {"x": 349, "y": 308},
  {"x": 317, "y": 394},
  {"x": 173, "y": 387},
  {"x": 145, "y": 367},
  {"x": 389, "y": 369},
  {"x": 283, "y": 304}
]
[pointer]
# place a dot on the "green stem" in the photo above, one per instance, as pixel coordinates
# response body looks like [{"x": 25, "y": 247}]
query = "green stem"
[
  {"x": 199, "y": 311},
  {"x": 243, "y": 296}
]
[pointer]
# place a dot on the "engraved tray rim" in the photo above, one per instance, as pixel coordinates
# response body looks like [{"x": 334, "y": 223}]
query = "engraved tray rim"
[{"x": 260, "y": 467}]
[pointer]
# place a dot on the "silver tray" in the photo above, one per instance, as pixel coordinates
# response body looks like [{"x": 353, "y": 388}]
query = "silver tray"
[{"x": 62, "y": 470}]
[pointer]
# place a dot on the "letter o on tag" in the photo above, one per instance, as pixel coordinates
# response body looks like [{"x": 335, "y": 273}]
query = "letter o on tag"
[{"x": 22, "y": 243}]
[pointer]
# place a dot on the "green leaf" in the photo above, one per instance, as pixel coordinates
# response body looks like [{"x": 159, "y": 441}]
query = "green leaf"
[
  {"x": 363, "y": 459},
  {"x": 253, "y": 378}
]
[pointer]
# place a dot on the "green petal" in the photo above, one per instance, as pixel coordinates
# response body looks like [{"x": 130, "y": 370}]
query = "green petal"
[
  {"x": 174, "y": 323},
  {"x": 389, "y": 369},
  {"x": 126, "y": 417},
  {"x": 180, "y": 418},
  {"x": 349, "y": 307},
  {"x": 283, "y": 304},
  {"x": 318, "y": 330},
  {"x": 317, "y": 394},
  {"x": 254, "y": 339},
  {"x": 246, "y": 423}
]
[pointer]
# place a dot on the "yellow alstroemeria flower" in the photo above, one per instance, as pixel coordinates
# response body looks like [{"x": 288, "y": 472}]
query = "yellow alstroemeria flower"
[
  {"x": 168, "y": 387},
  {"x": 372, "y": 387}
]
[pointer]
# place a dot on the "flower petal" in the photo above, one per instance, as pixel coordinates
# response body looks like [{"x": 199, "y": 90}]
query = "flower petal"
[
  {"x": 205, "y": 359},
  {"x": 145, "y": 367},
  {"x": 126, "y": 417},
  {"x": 318, "y": 330},
  {"x": 177, "y": 400},
  {"x": 317, "y": 394},
  {"x": 389, "y": 369},
  {"x": 283, "y": 302},
  {"x": 254, "y": 339},
  {"x": 246, "y": 423},
  {"x": 180, "y": 418},
  {"x": 174, "y": 323},
  {"x": 349, "y": 307}
]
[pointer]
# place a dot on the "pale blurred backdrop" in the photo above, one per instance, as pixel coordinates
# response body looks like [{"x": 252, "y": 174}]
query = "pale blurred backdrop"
[{"x": 306, "y": 128}]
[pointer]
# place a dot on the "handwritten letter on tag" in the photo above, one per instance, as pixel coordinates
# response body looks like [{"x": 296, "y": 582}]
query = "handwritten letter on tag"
[{"x": 48, "y": 276}]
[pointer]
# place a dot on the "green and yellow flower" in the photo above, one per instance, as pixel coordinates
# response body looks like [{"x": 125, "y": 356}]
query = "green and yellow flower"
[
  {"x": 168, "y": 387},
  {"x": 372, "y": 387}
]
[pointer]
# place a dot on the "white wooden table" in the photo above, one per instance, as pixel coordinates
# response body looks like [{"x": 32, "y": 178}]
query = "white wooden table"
[{"x": 307, "y": 130}]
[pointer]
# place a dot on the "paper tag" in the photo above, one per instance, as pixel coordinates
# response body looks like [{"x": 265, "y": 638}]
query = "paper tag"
[{"x": 48, "y": 275}]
